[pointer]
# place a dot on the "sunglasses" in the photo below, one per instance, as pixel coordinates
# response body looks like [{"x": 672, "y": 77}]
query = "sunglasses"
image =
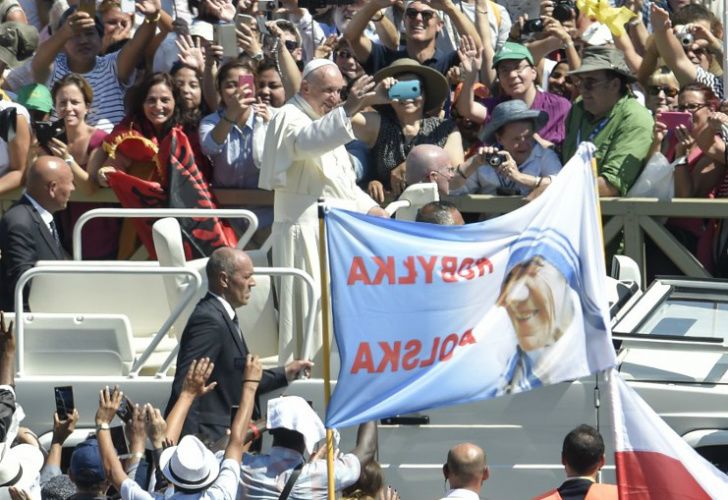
[
  {"x": 291, "y": 45},
  {"x": 692, "y": 107},
  {"x": 656, "y": 89},
  {"x": 426, "y": 14},
  {"x": 344, "y": 54}
]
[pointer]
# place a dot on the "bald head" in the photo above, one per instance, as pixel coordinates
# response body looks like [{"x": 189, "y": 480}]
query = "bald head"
[
  {"x": 49, "y": 181},
  {"x": 230, "y": 275},
  {"x": 429, "y": 163},
  {"x": 465, "y": 467}
]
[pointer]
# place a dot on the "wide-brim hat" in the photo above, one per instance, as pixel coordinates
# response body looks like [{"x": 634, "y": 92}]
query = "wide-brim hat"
[
  {"x": 435, "y": 84},
  {"x": 18, "y": 42},
  {"x": 600, "y": 58},
  {"x": 295, "y": 414},
  {"x": 189, "y": 465},
  {"x": 19, "y": 466},
  {"x": 511, "y": 111}
]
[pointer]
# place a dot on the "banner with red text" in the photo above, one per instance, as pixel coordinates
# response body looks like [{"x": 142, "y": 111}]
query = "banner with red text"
[{"x": 428, "y": 316}]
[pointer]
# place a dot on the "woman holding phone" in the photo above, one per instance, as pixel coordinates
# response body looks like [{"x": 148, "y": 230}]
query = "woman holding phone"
[
  {"x": 415, "y": 95},
  {"x": 72, "y": 98},
  {"x": 233, "y": 136},
  {"x": 696, "y": 174}
]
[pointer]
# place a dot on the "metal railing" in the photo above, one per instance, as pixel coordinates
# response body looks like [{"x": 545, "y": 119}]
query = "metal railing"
[
  {"x": 73, "y": 267},
  {"x": 127, "y": 213}
]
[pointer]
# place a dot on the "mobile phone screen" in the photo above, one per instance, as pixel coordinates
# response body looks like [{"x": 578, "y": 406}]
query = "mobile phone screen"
[
  {"x": 247, "y": 80},
  {"x": 119, "y": 439},
  {"x": 225, "y": 36},
  {"x": 64, "y": 401},
  {"x": 88, "y": 6},
  {"x": 233, "y": 412}
]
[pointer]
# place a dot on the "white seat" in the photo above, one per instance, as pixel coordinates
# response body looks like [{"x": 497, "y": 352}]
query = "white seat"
[
  {"x": 71, "y": 344},
  {"x": 258, "y": 319},
  {"x": 141, "y": 298}
]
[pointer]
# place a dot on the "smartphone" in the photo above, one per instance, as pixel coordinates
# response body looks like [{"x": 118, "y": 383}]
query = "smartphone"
[
  {"x": 128, "y": 6},
  {"x": 233, "y": 412},
  {"x": 408, "y": 89},
  {"x": 224, "y": 35},
  {"x": 126, "y": 410},
  {"x": 674, "y": 118},
  {"x": 245, "y": 19},
  {"x": 119, "y": 439},
  {"x": 64, "y": 401},
  {"x": 87, "y": 6},
  {"x": 247, "y": 80}
]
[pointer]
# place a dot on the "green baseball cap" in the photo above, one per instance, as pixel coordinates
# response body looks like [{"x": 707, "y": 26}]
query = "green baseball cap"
[
  {"x": 514, "y": 52},
  {"x": 35, "y": 96}
]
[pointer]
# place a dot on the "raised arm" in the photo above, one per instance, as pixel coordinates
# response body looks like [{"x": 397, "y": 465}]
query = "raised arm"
[
  {"x": 470, "y": 62},
  {"x": 251, "y": 379},
  {"x": 109, "y": 401},
  {"x": 134, "y": 49},
  {"x": 482, "y": 25},
  {"x": 386, "y": 30},
  {"x": 194, "y": 386},
  {"x": 48, "y": 50},
  {"x": 670, "y": 47},
  {"x": 354, "y": 32},
  {"x": 459, "y": 20},
  {"x": 290, "y": 74},
  {"x": 366, "y": 442}
]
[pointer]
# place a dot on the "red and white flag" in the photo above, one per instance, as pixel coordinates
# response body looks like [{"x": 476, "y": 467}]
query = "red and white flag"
[{"x": 653, "y": 461}]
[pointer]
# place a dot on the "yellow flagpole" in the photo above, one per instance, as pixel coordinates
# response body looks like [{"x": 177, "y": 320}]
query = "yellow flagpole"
[{"x": 327, "y": 348}]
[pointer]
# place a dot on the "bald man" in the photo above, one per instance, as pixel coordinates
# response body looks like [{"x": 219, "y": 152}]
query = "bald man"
[
  {"x": 442, "y": 213},
  {"x": 214, "y": 332},
  {"x": 305, "y": 159},
  {"x": 28, "y": 232},
  {"x": 429, "y": 163},
  {"x": 465, "y": 471}
]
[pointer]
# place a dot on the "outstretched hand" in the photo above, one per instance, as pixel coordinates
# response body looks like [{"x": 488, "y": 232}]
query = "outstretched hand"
[
  {"x": 196, "y": 378},
  {"x": 361, "y": 94}
]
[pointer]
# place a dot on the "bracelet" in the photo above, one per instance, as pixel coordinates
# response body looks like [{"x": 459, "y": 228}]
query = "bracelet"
[
  {"x": 256, "y": 431},
  {"x": 69, "y": 160},
  {"x": 381, "y": 16},
  {"x": 157, "y": 16},
  {"x": 484, "y": 12},
  {"x": 461, "y": 172},
  {"x": 102, "y": 427},
  {"x": 256, "y": 380},
  {"x": 138, "y": 455},
  {"x": 232, "y": 122}
]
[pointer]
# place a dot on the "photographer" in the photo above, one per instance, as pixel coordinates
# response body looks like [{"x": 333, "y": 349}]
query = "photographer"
[{"x": 518, "y": 164}]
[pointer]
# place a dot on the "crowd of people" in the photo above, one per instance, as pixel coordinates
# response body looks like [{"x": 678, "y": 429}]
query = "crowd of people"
[{"x": 355, "y": 103}]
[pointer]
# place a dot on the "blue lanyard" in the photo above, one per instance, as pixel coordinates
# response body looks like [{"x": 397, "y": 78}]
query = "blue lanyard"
[{"x": 600, "y": 126}]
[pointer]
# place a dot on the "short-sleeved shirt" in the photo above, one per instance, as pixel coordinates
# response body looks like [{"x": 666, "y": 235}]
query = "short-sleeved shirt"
[
  {"x": 4, "y": 153},
  {"x": 107, "y": 108},
  {"x": 263, "y": 477},
  {"x": 554, "y": 105},
  {"x": 225, "y": 487},
  {"x": 381, "y": 57},
  {"x": 622, "y": 139},
  {"x": 541, "y": 162}
]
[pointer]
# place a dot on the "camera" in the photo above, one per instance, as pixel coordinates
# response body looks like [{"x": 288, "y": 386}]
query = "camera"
[
  {"x": 45, "y": 131},
  {"x": 494, "y": 159},
  {"x": 682, "y": 32},
  {"x": 532, "y": 26},
  {"x": 564, "y": 10}
]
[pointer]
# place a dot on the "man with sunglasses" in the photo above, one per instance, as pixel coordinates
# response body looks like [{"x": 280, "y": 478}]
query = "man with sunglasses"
[
  {"x": 422, "y": 24},
  {"x": 690, "y": 63},
  {"x": 608, "y": 115}
]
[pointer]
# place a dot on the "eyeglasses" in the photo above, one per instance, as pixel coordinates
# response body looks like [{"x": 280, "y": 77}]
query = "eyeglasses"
[
  {"x": 344, "y": 54},
  {"x": 450, "y": 171},
  {"x": 589, "y": 83},
  {"x": 691, "y": 107},
  {"x": 291, "y": 45},
  {"x": 656, "y": 89},
  {"x": 426, "y": 14},
  {"x": 507, "y": 70}
]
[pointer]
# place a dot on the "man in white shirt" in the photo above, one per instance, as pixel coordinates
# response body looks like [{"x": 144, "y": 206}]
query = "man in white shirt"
[
  {"x": 28, "y": 232},
  {"x": 465, "y": 471}
]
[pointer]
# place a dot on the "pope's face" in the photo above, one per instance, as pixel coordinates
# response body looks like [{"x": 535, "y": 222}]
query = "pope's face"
[{"x": 529, "y": 299}]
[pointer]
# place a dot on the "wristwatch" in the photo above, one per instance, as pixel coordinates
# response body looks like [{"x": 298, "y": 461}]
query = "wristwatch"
[{"x": 257, "y": 57}]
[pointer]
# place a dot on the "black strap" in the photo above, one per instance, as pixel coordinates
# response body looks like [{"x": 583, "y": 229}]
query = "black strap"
[{"x": 291, "y": 481}]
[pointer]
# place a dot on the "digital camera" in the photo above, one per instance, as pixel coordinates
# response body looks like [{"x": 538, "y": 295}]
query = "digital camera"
[
  {"x": 494, "y": 159},
  {"x": 682, "y": 32}
]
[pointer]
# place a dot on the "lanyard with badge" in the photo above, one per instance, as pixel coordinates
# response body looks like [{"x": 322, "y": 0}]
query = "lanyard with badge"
[{"x": 600, "y": 126}]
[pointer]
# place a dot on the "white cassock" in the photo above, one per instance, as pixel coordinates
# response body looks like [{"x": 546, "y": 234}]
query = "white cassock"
[{"x": 305, "y": 159}]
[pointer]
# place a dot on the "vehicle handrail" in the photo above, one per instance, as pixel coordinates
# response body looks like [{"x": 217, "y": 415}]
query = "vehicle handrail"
[
  {"x": 312, "y": 294},
  {"x": 126, "y": 213},
  {"x": 396, "y": 205},
  {"x": 72, "y": 267}
]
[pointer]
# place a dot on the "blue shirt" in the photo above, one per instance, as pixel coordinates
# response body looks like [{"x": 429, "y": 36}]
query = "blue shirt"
[
  {"x": 233, "y": 164},
  {"x": 381, "y": 57}
]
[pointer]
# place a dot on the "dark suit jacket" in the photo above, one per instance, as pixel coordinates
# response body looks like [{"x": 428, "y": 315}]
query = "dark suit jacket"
[
  {"x": 211, "y": 333},
  {"x": 24, "y": 240}
]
